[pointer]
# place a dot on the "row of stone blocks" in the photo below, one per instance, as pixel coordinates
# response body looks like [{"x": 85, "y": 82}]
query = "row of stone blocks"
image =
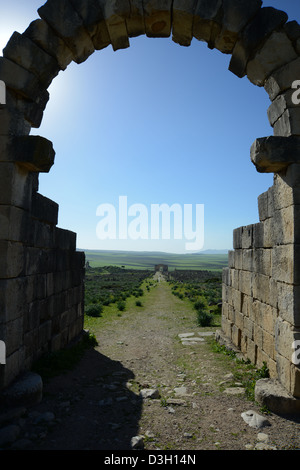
[
  {"x": 261, "y": 286},
  {"x": 41, "y": 289}
]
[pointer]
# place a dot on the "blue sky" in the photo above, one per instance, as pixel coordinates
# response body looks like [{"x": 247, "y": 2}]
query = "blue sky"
[{"x": 158, "y": 123}]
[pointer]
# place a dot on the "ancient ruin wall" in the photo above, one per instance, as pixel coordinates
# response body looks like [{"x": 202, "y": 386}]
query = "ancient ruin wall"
[{"x": 41, "y": 274}]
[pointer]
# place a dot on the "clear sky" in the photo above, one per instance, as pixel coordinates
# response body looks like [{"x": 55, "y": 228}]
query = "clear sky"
[{"x": 157, "y": 123}]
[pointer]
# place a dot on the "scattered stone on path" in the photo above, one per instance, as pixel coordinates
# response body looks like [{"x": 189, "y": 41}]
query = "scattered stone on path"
[
  {"x": 149, "y": 393},
  {"x": 234, "y": 390},
  {"x": 180, "y": 391},
  {"x": 175, "y": 402},
  {"x": 137, "y": 442},
  {"x": 254, "y": 420},
  {"x": 189, "y": 338}
]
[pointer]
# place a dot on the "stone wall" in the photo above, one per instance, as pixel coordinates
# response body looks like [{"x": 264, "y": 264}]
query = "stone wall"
[
  {"x": 261, "y": 285},
  {"x": 41, "y": 274},
  {"x": 41, "y": 287}
]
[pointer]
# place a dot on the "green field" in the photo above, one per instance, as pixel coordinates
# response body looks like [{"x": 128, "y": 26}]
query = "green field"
[{"x": 147, "y": 260}]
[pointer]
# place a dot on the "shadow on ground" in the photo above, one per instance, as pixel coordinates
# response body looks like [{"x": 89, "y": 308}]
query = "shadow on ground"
[{"x": 93, "y": 405}]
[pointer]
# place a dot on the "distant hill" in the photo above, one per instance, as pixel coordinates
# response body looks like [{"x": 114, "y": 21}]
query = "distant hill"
[
  {"x": 213, "y": 252},
  {"x": 212, "y": 260}
]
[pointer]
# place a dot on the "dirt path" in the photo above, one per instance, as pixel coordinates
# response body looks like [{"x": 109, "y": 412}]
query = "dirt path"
[{"x": 99, "y": 406}]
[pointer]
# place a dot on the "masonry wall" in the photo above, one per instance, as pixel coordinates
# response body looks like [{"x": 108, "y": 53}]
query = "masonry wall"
[
  {"x": 42, "y": 282},
  {"x": 261, "y": 285}
]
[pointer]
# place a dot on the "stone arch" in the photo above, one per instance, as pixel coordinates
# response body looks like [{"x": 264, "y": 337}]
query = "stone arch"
[{"x": 41, "y": 274}]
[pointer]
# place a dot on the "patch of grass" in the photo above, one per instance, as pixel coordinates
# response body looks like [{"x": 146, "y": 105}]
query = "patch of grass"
[
  {"x": 59, "y": 362},
  {"x": 247, "y": 373}
]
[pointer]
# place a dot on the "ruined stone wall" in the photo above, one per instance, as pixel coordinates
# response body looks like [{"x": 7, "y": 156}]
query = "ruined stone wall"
[
  {"x": 261, "y": 285},
  {"x": 41, "y": 287}
]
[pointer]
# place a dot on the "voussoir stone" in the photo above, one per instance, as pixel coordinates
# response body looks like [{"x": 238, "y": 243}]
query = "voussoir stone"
[
  {"x": 207, "y": 21},
  {"x": 253, "y": 37},
  {"x": 183, "y": 18},
  {"x": 237, "y": 13},
  {"x": 276, "y": 52},
  {"x": 21, "y": 50},
  {"x": 114, "y": 14},
  {"x": 44, "y": 36},
  {"x": 157, "y": 14}
]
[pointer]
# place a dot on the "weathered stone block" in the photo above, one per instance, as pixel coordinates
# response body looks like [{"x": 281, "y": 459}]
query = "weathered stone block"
[
  {"x": 135, "y": 21},
  {"x": 11, "y": 259},
  {"x": 254, "y": 36},
  {"x": 288, "y": 124},
  {"x": 285, "y": 335},
  {"x": 281, "y": 104},
  {"x": 207, "y": 21},
  {"x": 262, "y": 261},
  {"x": 13, "y": 122},
  {"x": 295, "y": 381},
  {"x": 292, "y": 29},
  {"x": 114, "y": 13},
  {"x": 157, "y": 16},
  {"x": 258, "y": 235},
  {"x": 260, "y": 286},
  {"x": 62, "y": 18},
  {"x": 273, "y": 289},
  {"x": 283, "y": 263},
  {"x": 268, "y": 344},
  {"x": 226, "y": 276},
  {"x": 234, "y": 276},
  {"x": 182, "y": 25},
  {"x": 263, "y": 206},
  {"x": 42, "y": 235},
  {"x": 39, "y": 261},
  {"x": 20, "y": 80},
  {"x": 258, "y": 336},
  {"x": 44, "y": 209},
  {"x": 34, "y": 153},
  {"x": 21, "y": 50},
  {"x": 237, "y": 300},
  {"x": 44, "y": 36},
  {"x": 251, "y": 352},
  {"x": 284, "y": 226},
  {"x": 288, "y": 302},
  {"x": 65, "y": 239},
  {"x": 274, "y": 154},
  {"x": 231, "y": 263},
  {"x": 13, "y": 292},
  {"x": 16, "y": 185},
  {"x": 237, "y": 14},
  {"x": 282, "y": 79},
  {"x": 247, "y": 263},
  {"x": 14, "y": 224},
  {"x": 237, "y": 238},
  {"x": 247, "y": 236},
  {"x": 276, "y": 52},
  {"x": 236, "y": 336}
]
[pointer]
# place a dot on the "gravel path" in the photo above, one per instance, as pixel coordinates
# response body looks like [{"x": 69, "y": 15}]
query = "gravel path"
[{"x": 99, "y": 406}]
